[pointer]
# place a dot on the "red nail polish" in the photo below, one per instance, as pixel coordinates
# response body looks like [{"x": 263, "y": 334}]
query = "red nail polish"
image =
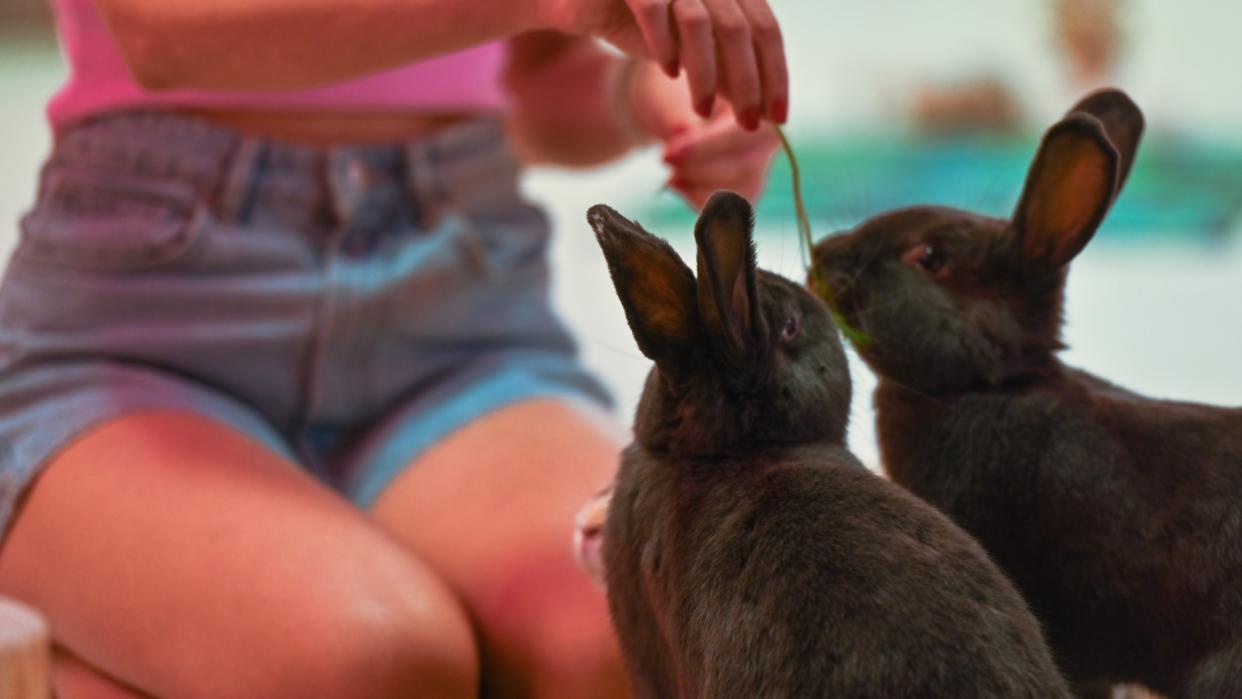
[
  {"x": 671, "y": 68},
  {"x": 704, "y": 107},
  {"x": 780, "y": 110},
  {"x": 749, "y": 118}
]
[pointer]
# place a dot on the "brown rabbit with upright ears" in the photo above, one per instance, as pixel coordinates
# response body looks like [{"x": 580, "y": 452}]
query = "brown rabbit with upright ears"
[
  {"x": 746, "y": 552},
  {"x": 1118, "y": 516}
]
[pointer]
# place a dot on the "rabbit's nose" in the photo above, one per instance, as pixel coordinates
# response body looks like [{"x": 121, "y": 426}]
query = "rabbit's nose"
[
  {"x": 829, "y": 285},
  {"x": 832, "y": 250}
]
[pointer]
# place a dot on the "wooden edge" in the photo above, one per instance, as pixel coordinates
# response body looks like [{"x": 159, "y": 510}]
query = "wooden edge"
[{"x": 25, "y": 652}]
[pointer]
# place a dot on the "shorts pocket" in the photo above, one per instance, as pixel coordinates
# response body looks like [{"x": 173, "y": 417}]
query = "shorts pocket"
[
  {"x": 507, "y": 241},
  {"x": 109, "y": 222},
  {"x": 479, "y": 278}
]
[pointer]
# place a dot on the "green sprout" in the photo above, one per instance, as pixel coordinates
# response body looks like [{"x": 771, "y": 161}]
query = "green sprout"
[{"x": 857, "y": 337}]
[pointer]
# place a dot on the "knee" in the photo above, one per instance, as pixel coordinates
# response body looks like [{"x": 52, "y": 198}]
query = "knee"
[
  {"x": 583, "y": 663},
  {"x": 573, "y": 649},
  {"x": 389, "y": 636},
  {"x": 404, "y": 647}
]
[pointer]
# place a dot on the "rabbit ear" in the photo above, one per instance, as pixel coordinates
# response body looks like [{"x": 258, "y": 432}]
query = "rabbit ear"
[
  {"x": 728, "y": 299},
  {"x": 655, "y": 286},
  {"x": 1068, "y": 190},
  {"x": 1122, "y": 121}
]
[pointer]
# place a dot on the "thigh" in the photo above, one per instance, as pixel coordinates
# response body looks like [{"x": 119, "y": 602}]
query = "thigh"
[
  {"x": 72, "y": 678},
  {"x": 491, "y": 507},
  {"x": 186, "y": 560}
]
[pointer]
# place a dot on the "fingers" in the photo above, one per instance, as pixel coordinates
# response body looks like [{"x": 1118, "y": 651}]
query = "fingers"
[
  {"x": 737, "y": 52},
  {"x": 697, "y": 51},
  {"x": 734, "y": 48},
  {"x": 718, "y": 138},
  {"x": 744, "y": 172},
  {"x": 730, "y": 48},
  {"x": 721, "y": 156},
  {"x": 770, "y": 46},
  {"x": 655, "y": 24}
]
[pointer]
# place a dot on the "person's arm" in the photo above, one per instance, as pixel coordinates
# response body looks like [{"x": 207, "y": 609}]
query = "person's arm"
[
  {"x": 281, "y": 44},
  {"x": 730, "y": 48},
  {"x": 574, "y": 103},
  {"x": 571, "y": 100}
]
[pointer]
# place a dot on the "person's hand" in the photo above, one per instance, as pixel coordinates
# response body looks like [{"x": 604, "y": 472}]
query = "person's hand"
[
  {"x": 731, "y": 48},
  {"x": 717, "y": 154},
  {"x": 703, "y": 155}
]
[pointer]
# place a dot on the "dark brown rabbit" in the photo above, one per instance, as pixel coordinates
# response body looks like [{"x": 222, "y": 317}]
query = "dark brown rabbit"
[
  {"x": 1118, "y": 516},
  {"x": 746, "y": 552}
]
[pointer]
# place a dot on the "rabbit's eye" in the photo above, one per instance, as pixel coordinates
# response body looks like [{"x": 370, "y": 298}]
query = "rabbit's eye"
[
  {"x": 926, "y": 257},
  {"x": 789, "y": 329}
]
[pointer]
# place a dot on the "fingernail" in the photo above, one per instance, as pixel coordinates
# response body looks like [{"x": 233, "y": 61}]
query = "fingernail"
[
  {"x": 780, "y": 110},
  {"x": 749, "y": 118},
  {"x": 704, "y": 107},
  {"x": 671, "y": 68}
]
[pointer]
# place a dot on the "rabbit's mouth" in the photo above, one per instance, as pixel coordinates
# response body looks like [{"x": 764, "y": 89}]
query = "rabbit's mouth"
[
  {"x": 589, "y": 535},
  {"x": 831, "y": 287}
]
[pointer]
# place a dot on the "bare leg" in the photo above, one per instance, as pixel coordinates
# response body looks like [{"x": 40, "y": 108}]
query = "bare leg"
[
  {"x": 74, "y": 679},
  {"x": 492, "y": 509},
  {"x": 187, "y": 561}
]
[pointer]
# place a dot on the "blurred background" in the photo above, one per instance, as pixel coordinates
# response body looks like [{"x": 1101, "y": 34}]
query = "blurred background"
[{"x": 897, "y": 103}]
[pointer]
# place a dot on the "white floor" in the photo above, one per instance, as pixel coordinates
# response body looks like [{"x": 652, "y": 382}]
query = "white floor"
[{"x": 1165, "y": 321}]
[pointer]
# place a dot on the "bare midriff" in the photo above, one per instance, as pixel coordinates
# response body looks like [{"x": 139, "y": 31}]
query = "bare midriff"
[{"x": 329, "y": 127}]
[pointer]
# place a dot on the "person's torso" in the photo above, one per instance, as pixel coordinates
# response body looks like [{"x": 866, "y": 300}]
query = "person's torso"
[{"x": 390, "y": 105}]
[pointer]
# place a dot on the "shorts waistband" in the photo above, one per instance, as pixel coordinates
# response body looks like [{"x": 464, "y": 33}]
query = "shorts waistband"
[{"x": 442, "y": 170}]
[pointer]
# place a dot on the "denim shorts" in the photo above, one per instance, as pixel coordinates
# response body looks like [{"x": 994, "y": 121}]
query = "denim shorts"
[{"x": 347, "y": 307}]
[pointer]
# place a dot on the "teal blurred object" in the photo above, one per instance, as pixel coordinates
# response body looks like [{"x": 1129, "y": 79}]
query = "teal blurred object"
[{"x": 1179, "y": 190}]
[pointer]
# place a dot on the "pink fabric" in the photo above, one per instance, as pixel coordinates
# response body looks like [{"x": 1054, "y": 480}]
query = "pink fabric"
[{"x": 99, "y": 80}]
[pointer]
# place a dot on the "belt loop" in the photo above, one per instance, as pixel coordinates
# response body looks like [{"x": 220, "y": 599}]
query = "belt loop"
[
  {"x": 422, "y": 181},
  {"x": 240, "y": 178}
]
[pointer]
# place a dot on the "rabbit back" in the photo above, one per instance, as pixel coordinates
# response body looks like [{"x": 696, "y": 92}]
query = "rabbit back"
[
  {"x": 1117, "y": 516},
  {"x": 806, "y": 575}
]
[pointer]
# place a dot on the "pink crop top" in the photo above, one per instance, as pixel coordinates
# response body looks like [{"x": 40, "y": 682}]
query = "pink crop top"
[{"x": 99, "y": 81}]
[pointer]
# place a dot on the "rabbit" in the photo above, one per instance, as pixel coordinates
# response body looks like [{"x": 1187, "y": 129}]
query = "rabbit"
[
  {"x": 1119, "y": 517},
  {"x": 746, "y": 552}
]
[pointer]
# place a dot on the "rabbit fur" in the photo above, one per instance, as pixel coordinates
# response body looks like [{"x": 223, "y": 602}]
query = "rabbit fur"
[
  {"x": 747, "y": 553},
  {"x": 1118, "y": 516}
]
